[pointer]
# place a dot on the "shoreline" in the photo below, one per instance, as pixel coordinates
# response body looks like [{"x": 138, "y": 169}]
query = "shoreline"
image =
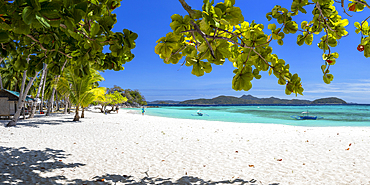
[{"x": 129, "y": 148}]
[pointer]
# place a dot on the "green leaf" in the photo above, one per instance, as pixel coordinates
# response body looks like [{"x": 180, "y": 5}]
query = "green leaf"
[
  {"x": 335, "y": 55},
  {"x": 280, "y": 42},
  {"x": 342, "y": 23},
  {"x": 271, "y": 27},
  {"x": 69, "y": 22},
  {"x": 36, "y": 5},
  {"x": 4, "y": 26},
  {"x": 28, "y": 15},
  {"x": 82, "y": 6},
  {"x": 19, "y": 27},
  {"x": 176, "y": 17},
  {"x": 204, "y": 26},
  {"x": 309, "y": 39},
  {"x": 203, "y": 47},
  {"x": 174, "y": 59},
  {"x": 229, "y": 3},
  {"x": 206, "y": 66},
  {"x": 197, "y": 70},
  {"x": 43, "y": 21},
  {"x": 50, "y": 9},
  {"x": 234, "y": 16},
  {"x": 95, "y": 28},
  {"x": 357, "y": 25},
  {"x": 328, "y": 78},
  {"x": 303, "y": 24},
  {"x": 367, "y": 50},
  {"x": 4, "y": 37},
  {"x": 323, "y": 67}
]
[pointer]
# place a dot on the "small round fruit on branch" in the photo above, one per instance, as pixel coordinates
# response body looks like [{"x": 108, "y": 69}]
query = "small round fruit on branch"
[
  {"x": 329, "y": 61},
  {"x": 360, "y": 48}
]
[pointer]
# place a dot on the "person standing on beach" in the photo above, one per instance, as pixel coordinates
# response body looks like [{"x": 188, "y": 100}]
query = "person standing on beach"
[{"x": 142, "y": 111}]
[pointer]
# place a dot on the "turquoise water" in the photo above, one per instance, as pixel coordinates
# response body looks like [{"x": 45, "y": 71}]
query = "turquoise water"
[{"x": 333, "y": 115}]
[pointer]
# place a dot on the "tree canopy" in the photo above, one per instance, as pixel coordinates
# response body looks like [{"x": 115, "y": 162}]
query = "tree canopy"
[
  {"x": 218, "y": 32},
  {"x": 54, "y": 31}
]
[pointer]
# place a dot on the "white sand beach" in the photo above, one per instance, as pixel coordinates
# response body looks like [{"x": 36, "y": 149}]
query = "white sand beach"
[{"x": 127, "y": 148}]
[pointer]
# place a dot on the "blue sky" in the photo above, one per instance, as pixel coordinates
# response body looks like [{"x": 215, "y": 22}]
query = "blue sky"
[{"x": 159, "y": 81}]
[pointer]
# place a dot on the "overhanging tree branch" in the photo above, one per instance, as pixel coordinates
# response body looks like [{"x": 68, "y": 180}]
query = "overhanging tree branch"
[
  {"x": 196, "y": 27},
  {"x": 187, "y": 8},
  {"x": 42, "y": 47}
]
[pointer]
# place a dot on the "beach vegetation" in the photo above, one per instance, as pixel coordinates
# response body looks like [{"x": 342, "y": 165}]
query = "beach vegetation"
[
  {"x": 82, "y": 91},
  {"x": 134, "y": 97},
  {"x": 111, "y": 98},
  {"x": 61, "y": 34}
]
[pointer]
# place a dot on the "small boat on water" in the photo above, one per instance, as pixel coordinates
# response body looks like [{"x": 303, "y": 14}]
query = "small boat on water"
[
  {"x": 305, "y": 116},
  {"x": 199, "y": 113}
]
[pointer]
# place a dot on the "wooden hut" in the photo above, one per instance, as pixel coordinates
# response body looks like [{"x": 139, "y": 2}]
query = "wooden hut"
[{"x": 8, "y": 102}]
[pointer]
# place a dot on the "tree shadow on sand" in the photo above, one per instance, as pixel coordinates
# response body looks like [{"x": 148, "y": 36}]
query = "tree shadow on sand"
[
  {"x": 185, "y": 180},
  {"x": 23, "y": 166},
  {"x": 42, "y": 120}
]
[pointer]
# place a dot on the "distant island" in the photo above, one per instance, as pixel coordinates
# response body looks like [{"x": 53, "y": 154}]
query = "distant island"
[{"x": 249, "y": 99}]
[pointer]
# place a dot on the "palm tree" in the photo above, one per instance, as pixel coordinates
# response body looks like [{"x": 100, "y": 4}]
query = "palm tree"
[
  {"x": 12, "y": 78},
  {"x": 81, "y": 90},
  {"x": 93, "y": 95}
]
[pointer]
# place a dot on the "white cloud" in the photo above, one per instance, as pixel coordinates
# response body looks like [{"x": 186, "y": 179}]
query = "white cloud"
[{"x": 362, "y": 87}]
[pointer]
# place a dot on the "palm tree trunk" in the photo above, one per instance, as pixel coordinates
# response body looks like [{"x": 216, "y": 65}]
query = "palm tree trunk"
[
  {"x": 43, "y": 93},
  {"x": 66, "y": 102},
  {"x": 69, "y": 106},
  {"x": 52, "y": 94},
  {"x": 38, "y": 91},
  {"x": 83, "y": 112},
  {"x": 50, "y": 103},
  {"x": 77, "y": 117},
  {"x": 1, "y": 80},
  {"x": 22, "y": 98},
  {"x": 102, "y": 108},
  {"x": 57, "y": 100}
]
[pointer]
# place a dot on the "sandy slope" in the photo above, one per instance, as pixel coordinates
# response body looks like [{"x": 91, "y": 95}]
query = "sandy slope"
[{"x": 129, "y": 148}]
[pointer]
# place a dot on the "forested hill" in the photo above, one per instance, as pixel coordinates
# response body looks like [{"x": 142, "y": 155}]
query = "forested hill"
[
  {"x": 248, "y": 99},
  {"x": 331, "y": 100}
]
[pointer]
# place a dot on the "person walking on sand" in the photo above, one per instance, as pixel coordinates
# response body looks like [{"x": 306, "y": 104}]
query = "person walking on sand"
[{"x": 142, "y": 111}]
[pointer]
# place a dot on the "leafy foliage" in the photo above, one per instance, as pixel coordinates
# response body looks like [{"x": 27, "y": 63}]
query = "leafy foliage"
[
  {"x": 57, "y": 30},
  {"x": 218, "y": 32},
  {"x": 134, "y": 96},
  {"x": 112, "y": 98},
  {"x": 81, "y": 90},
  {"x": 131, "y": 95}
]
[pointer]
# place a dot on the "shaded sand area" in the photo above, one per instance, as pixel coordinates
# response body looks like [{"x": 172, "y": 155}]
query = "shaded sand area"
[{"x": 128, "y": 148}]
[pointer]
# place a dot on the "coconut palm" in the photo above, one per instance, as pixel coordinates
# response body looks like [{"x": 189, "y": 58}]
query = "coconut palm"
[
  {"x": 12, "y": 79},
  {"x": 81, "y": 90}
]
